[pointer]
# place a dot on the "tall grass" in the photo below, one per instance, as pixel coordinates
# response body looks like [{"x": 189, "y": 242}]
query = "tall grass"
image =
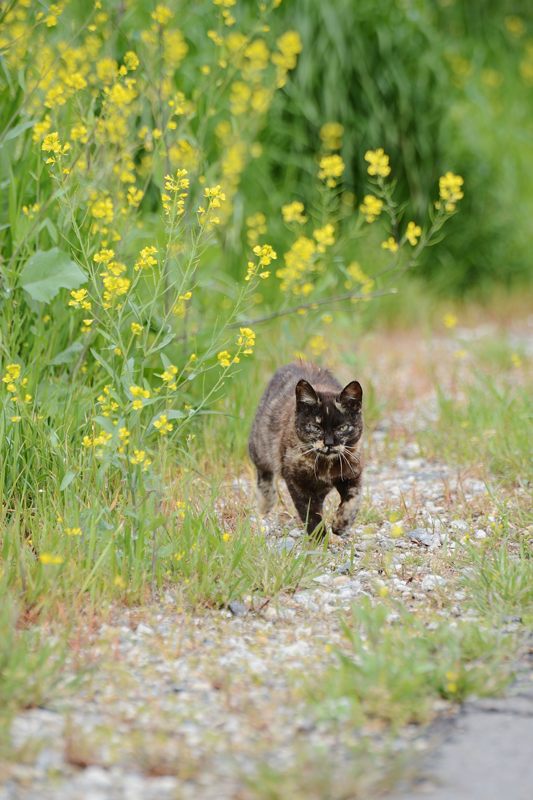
[{"x": 438, "y": 84}]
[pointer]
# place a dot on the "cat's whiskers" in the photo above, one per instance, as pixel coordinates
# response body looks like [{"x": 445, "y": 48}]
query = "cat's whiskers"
[{"x": 348, "y": 463}]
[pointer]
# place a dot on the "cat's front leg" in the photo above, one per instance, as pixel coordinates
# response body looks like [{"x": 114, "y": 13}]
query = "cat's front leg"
[
  {"x": 308, "y": 500},
  {"x": 350, "y": 492}
]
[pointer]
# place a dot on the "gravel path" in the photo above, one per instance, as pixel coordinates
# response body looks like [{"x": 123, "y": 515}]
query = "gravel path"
[{"x": 185, "y": 706}]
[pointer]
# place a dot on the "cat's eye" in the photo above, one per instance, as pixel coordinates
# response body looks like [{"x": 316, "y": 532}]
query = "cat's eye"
[
  {"x": 345, "y": 428},
  {"x": 311, "y": 428}
]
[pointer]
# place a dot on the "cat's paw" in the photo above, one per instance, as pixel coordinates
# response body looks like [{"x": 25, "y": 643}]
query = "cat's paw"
[{"x": 340, "y": 531}]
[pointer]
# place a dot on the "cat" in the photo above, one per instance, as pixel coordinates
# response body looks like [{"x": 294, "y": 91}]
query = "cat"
[{"x": 307, "y": 429}]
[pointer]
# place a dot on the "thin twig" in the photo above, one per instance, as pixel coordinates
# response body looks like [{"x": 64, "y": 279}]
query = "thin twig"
[{"x": 327, "y": 301}]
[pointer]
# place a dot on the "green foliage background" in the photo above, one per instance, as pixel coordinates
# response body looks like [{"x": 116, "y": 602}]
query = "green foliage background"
[{"x": 440, "y": 85}]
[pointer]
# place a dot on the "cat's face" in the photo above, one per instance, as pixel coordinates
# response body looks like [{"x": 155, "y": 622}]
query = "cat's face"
[{"x": 327, "y": 423}]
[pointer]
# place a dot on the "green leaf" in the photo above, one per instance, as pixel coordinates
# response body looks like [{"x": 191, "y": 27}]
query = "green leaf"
[
  {"x": 17, "y": 130},
  {"x": 47, "y": 272},
  {"x": 67, "y": 480},
  {"x": 68, "y": 355}
]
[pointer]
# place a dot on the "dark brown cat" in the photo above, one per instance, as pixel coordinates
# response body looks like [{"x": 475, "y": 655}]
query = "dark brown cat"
[{"x": 307, "y": 429}]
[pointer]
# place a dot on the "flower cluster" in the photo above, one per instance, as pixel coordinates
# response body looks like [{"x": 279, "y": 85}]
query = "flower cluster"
[
  {"x": 371, "y": 207},
  {"x": 378, "y": 163},
  {"x": 294, "y": 212},
  {"x": 450, "y": 191},
  {"x": 357, "y": 277},
  {"x": 176, "y": 190},
  {"x": 299, "y": 260},
  {"x": 412, "y": 233},
  {"x": 146, "y": 258},
  {"x": 331, "y": 134},
  {"x": 246, "y": 341},
  {"x": 331, "y": 168},
  {"x": 51, "y": 144},
  {"x": 215, "y": 197}
]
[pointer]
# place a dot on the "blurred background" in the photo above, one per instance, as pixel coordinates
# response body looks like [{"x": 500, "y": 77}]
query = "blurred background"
[{"x": 441, "y": 85}]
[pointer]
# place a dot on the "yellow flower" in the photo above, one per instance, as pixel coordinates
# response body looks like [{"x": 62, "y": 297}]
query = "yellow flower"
[
  {"x": 146, "y": 258},
  {"x": 265, "y": 253},
  {"x": 79, "y": 133},
  {"x": 134, "y": 196},
  {"x": 80, "y": 299},
  {"x": 331, "y": 135},
  {"x": 371, "y": 207},
  {"x": 289, "y": 46},
  {"x": 180, "y": 306},
  {"x": 50, "y": 558},
  {"x": 390, "y": 244},
  {"x": 41, "y": 128},
  {"x": 378, "y": 162},
  {"x": 131, "y": 61},
  {"x": 450, "y": 321},
  {"x": 226, "y": 537},
  {"x": 16, "y": 418},
  {"x": 294, "y": 212},
  {"x": 163, "y": 425},
  {"x": 161, "y": 14},
  {"x": 215, "y": 195},
  {"x": 256, "y": 224},
  {"x": 413, "y": 233},
  {"x": 299, "y": 261},
  {"x": 73, "y": 531},
  {"x": 396, "y": 530},
  {"x": 86, "y": 327},
  {"x": 246, "y": 339},
  {"x": 325, "y": 237},
  {"x": 450, "y": 190},
  {"x": 137, "y": 457},
  {"x": 30, "y": 211},
  {"x": 97, "y": 441},
  {"x": 331, "y": 168},
  {"x": 52, "y": 144},
  {"x": 139, "y": 392},
  {"x": 102, "y": 208},
  {"x": 516, "y": 360},
  {"x": 452, "y": 677},
  {"x": 224, "y": 358},
  {"x": 106, "y": 70},
  {"x": 317, "y": 345},
  {"x": 55, "y": 97},
  {"x": 169, "y": 375},
  {"x": 104, "y": 256},
  {"x": 136, "y": 329},
  {"x": 12, "y": 374},
  {"x": 119, "y": 581}
]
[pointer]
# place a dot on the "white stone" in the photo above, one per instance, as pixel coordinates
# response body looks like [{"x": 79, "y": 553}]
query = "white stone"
[{"x": 430, "y": 582}]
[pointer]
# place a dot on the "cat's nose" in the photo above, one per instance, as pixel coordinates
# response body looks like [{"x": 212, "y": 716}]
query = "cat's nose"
[{"x": 328, "y": 440}]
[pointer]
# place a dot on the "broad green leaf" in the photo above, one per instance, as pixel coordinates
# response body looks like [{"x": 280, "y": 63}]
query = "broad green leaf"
[{"x": 47, "y": 272}]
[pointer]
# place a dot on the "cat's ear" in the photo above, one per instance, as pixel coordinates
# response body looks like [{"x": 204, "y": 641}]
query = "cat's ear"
[
  {"x": 351, "y": 396},
  {"x": 305, "y": 393}
]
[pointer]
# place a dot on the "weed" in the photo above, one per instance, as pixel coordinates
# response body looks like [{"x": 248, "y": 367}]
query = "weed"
[{"x": 396, "y": 666}]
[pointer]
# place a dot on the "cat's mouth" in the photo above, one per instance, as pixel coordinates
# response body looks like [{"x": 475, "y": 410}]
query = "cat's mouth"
[{"x": 329, "y": 452}]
